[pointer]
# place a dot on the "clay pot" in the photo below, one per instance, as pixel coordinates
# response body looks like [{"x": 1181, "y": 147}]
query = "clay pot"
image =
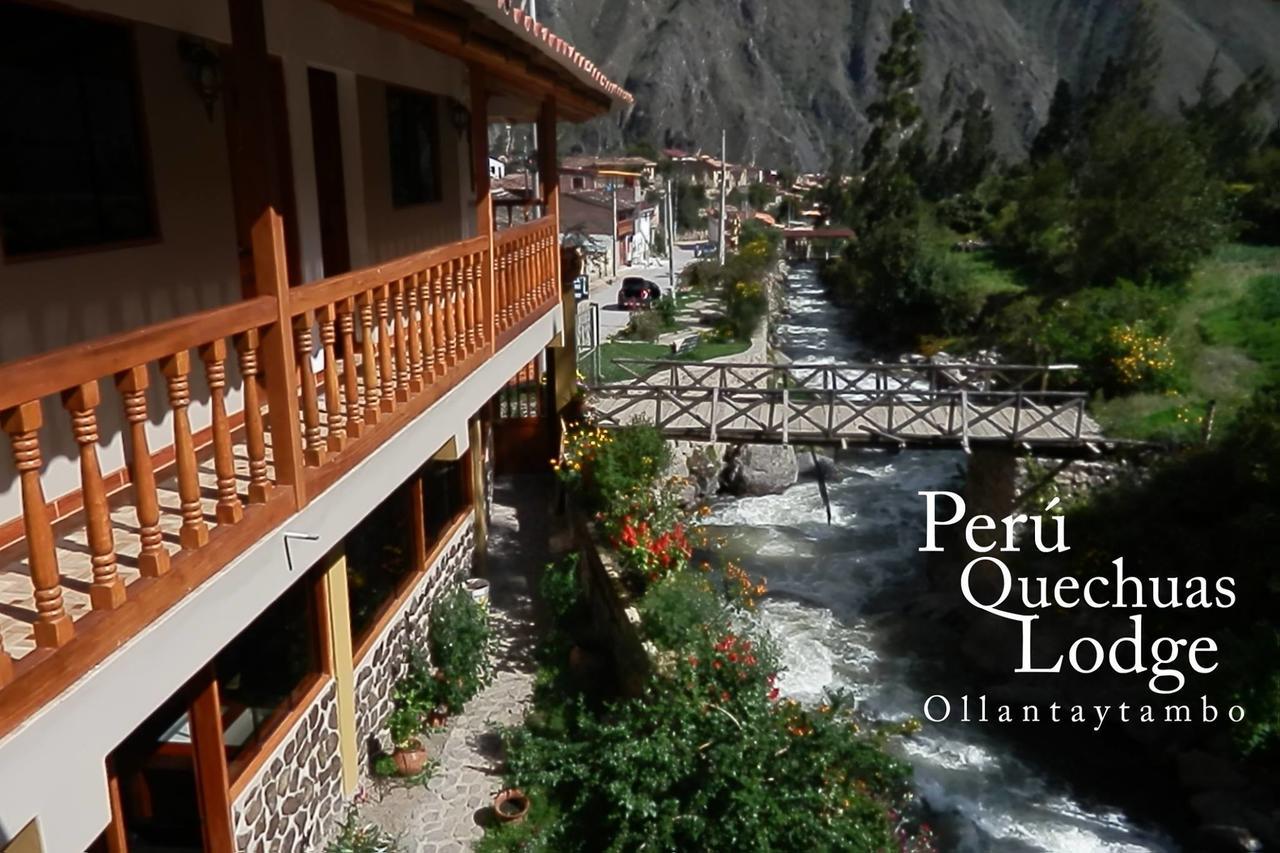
[
  {"x": 510, "y": 806},
  {"x": 410, "y": 759}
]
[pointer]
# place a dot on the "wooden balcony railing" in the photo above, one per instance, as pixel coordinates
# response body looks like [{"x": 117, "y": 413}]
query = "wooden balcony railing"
[{"x": 321, "y": 380}]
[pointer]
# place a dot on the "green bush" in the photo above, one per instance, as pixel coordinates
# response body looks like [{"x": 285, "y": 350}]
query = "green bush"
[
  {"x": 745, "y": 304},
  {"x": 628, "y": 463},
  {"x": 680, "y": 610},
  {"x": 643, "y": 326},
  {"x": 459, "y": 637},
  {"x": 666, "y": 308},
  {"x": 559, "y": 586},
  {"x": 1116, "y": 334}
]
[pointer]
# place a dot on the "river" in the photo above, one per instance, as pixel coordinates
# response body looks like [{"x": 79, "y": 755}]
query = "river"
[{"x": 837, "y": 594}]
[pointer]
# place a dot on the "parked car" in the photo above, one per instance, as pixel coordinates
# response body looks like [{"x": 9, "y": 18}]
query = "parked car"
[{"x": 638, "y": 294}]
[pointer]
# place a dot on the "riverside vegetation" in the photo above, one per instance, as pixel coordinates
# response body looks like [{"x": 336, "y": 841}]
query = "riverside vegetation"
[
  {"x": 709, "y": 756},
  {"x": 1110, "y": 246}
]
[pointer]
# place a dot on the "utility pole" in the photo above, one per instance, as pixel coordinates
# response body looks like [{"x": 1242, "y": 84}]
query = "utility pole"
[
  {"x": 670, "y": 224},
  {"x": 613, "y": 194},
  {"x": 723, "y": 192}
]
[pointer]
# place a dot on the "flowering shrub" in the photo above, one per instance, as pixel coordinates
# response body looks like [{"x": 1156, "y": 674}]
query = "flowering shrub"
[{"x": 1140, "y": 359}]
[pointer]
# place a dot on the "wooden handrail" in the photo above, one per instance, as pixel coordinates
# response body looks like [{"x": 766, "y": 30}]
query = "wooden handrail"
[
  {"x": 68, "y": 367},
  {"x": 329, "y": 291},
  {"x": 524, "y": 229}
]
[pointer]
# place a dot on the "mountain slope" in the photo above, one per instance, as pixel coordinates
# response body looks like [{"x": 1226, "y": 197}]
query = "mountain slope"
[{"x": 790, "y": 79}]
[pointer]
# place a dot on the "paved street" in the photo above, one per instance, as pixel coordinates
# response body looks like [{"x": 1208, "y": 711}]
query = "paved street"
[
  {"x": 449, "y": 812},
  {"x": 604, "y": 292}
]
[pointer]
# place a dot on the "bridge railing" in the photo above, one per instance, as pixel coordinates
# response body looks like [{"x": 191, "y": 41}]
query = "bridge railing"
[
  {"x": 915, "y": 416},
  {"x": 877, "y": 376}
]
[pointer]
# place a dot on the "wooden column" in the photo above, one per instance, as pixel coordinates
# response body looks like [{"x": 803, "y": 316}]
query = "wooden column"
[
  {"x": 53, "y": 626},
  {"x": 213, "y": 782},
  {"x": 107, "y": 590},
  {"x": 153, "y": 560},
  {"x": 337, "y": 619},
  {"x": 483, "y": 201},
  {"x": 550, "y": 168},
  {"x": 272, "y": 279}
]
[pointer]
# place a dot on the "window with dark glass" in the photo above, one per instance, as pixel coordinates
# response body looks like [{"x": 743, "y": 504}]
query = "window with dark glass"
[
  {"x": 73, "y": 170},
  {"x": 267, "y": 669},
  {"x": 414, "y": 136},
  {"x": 380, "y": 556},
  {"x": 443, "y": 495}
]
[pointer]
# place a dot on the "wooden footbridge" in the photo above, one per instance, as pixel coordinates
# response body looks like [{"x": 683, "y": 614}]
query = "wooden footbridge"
[{"x": 924, "y": 405}]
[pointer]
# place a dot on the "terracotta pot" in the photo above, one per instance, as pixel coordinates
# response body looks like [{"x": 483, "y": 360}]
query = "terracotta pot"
[
  {"x": 410, "y": 759},
  {"x": 510, "y": 806}
]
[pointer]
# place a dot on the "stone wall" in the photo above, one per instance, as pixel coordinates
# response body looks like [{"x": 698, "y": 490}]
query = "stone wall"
[
  {"x": 295, "y": 799},
  {"x": 376, "y": 673}
]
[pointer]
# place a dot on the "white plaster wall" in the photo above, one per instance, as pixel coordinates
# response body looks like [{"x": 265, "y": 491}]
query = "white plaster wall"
[{"x": 46, "y": 772}]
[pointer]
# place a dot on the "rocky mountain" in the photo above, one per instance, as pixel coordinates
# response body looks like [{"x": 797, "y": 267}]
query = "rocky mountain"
[{"x": 791, "y": 79}]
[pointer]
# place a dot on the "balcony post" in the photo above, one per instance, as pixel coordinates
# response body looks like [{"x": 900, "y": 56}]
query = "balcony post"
[
  {"x": 484, "y": 202},
  {"x": 271, "y": 279},
  {"x": 550, "y": 168}
]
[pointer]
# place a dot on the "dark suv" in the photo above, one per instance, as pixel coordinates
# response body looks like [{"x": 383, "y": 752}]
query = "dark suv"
[{"x": 638, "y": 293}]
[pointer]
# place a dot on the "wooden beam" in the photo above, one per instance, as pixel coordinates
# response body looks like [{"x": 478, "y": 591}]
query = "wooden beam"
[
  {"x": 213, "y": 784},
  {"x": 479, "y": 134}
]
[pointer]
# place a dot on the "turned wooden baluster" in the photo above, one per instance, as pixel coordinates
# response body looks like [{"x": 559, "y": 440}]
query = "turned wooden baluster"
[
  {"x": 229, "y": 510},
  {"x": 107, "y": 590},
  {"x": 413, "y": 298},
  {"x": 428, "y": 326},
  {"x": 334, "y": 419},
  {"x": 254, "y": 435},
  {"x": 522, "y": 302},
  {"x": 52, "y": 626},
  {"x": 311, "y": 433},
  {"x": 368, "y": 363},
  {"x": 350, "y": 376},
  {"x": 548, "y": 267},
  {"x": 439, "y": 305},
  {"x": 153, "y": 560},
  {"x": 385, "y": 369},
  {"x": 500, "y": 289},
  {"x": 400, "y": 340},
  {"x": 177, "y": 371},
  {"x": 469, "y": 309},
  {"x": 450, "y": 316}
]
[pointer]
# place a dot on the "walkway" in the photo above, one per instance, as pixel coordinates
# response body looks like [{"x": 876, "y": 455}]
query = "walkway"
[{"x": 447, "y": 813}]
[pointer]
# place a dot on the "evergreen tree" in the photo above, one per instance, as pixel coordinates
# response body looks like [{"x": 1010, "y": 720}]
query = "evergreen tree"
[
  {"x": 1229, "y": 129},
  {"x": 1060, "y": 129},
  {"x": 898, "y": 71}
]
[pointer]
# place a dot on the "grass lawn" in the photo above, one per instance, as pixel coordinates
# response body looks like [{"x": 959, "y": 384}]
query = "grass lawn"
[
  {"x": 610, "y": 371},
  {"x": 1226, "y": 332}
]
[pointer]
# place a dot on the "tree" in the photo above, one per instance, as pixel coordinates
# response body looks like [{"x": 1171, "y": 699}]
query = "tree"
[
  {"x": 899, "y": 71},
  {"x": 965, "y": 167},
  {"x": 1060, "y": 129},
  {"x": 1229, "y": 129},
  {"x": 1147, "y": 209},
  {"x": 1131, "y": 75}
]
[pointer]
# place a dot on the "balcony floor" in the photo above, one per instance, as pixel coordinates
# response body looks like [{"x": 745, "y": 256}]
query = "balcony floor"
[{"x": 17, "y": 601}]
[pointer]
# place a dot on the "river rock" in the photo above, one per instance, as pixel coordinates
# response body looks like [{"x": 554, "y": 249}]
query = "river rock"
[
  {"x": 1203, "y": 771},
  {"x": 1222, "y": 838},
  {"x": 761, "y": 469}
]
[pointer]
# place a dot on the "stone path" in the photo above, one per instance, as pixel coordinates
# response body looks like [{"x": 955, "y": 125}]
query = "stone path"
[{"x": 448, "y": 813}]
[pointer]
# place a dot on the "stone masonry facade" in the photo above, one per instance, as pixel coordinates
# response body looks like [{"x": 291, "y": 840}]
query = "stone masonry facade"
[
  {"x": 295, "y": 799},
  {"x": 294, "y": 802},
  {"x": 384, "y": 663}
]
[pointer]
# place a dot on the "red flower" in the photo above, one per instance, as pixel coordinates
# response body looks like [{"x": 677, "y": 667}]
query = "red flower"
[{"x": 773, "y": 694}]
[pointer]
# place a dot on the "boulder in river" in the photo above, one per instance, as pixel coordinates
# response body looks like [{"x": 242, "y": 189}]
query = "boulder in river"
[{"x": 761, "y": 469}]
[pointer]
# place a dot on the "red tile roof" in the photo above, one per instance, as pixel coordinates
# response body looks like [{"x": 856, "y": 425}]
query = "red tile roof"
[{"x": 551, "y": 44}]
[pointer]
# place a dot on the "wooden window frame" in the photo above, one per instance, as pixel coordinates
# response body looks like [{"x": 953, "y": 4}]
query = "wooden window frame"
[
  {"x": 142, "y": 131},
  {"x": 386, "y": 614}
]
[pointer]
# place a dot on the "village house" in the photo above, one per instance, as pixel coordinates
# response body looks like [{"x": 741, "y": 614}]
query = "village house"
[
  {"x": 589, "y": 215},
  {"x": 257, "y": 322}
]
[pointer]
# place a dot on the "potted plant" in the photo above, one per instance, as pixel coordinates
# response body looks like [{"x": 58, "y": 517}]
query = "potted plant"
[
  {"x": 511, "y": 805},
  {"x": 409, "y": 755}
]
